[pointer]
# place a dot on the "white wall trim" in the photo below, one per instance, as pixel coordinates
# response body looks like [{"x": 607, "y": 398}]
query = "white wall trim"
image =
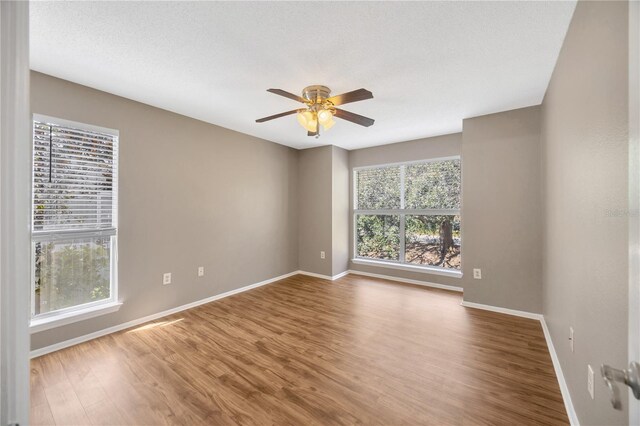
[
  {"x": 42, "y": 324},
  {"x": 340, "y": 275},
  {"x": 77, "y": 340},
  {"x": 431, "y": 270},
  {"x": 15, "y": 212},
  {"x": 523, "y": 314},
  {"x": 313, "y": 274},
  {"x": 564, "y": 388},
  {"x": 407, "y": 280},
  {"x": 75, "y": 124},
  {"x": 324, "y": 277}
]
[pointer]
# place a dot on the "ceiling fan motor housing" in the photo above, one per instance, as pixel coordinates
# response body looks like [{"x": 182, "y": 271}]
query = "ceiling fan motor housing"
[{"x": 316, "y": 94}]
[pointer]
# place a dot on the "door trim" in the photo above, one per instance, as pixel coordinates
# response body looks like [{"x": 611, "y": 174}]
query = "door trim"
[
  {"x": 15, "y": 184},
  {"x": 634, "y": 197}
]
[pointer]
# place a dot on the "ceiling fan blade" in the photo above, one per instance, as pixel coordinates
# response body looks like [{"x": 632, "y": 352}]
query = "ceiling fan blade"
[
  {"x": 287, "y": 95},
  {"x": 282, "y": 114},
  {"x": 311, "y": 133},
  {"x": 354, "y": 118},
  {"x": 355, "y": 96}
]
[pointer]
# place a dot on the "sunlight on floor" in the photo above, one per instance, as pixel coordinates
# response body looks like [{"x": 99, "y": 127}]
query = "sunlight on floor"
[{"x": 154, "y": 325}]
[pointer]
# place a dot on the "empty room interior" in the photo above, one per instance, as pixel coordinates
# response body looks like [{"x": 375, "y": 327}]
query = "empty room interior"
[{"x": 292, "y": 213}]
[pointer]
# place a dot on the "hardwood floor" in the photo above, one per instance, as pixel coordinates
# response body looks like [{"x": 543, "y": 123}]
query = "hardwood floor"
[{"x": 303, "y": 350}]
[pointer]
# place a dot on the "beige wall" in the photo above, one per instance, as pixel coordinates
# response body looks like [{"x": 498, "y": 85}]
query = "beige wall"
[
  {"x": 315, "y": 214},
  {"x": 501, "y": 213},
  {"x": 323, "y": 210},
  {"x": 191, "y": 194},
  {"x": 585, "y": 163},
  {"x": 421, "y": 149},
  {"x": 339, "y": 210}
]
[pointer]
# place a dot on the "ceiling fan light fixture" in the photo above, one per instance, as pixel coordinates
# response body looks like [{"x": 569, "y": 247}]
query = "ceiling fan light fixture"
[
  {"x": 308, "y": 120},
  {"x": 302, "y": 120},
  {"x": 328, "y": 124},
  {"x": 312, "y": 125},
  {"x": 324, "y": 116}
]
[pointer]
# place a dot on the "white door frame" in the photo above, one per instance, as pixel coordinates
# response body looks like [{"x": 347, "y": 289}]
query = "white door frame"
[
  {"x": 634, "y": 198},
  {"x": 15, "y": 183}
]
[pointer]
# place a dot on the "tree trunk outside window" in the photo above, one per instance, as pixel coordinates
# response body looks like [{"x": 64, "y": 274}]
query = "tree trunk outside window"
[{"x": 446, "y": 238}]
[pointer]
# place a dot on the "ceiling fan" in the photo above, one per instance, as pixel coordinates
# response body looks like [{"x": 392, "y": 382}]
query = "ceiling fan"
[{"x": 320, "y": 108}]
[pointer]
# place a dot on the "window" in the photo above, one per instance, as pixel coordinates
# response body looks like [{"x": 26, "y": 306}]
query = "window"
[
  {"x": 74, "y": 217},
  {"x": 409, "y": 214}
]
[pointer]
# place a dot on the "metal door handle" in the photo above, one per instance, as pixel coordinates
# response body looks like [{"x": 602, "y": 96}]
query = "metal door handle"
[{"x": 630, "y": 377}]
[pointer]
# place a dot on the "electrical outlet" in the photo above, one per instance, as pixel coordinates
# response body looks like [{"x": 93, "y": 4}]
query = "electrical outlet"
[
  {"x": 571, "y": 338},
  {"x": 166, "y": 278},
  {"x": 321, "y": 255},
  {"x": 477, "y": 274},
  {"x": 590, "y": 383},
  {"x": 201, "y": 271}
]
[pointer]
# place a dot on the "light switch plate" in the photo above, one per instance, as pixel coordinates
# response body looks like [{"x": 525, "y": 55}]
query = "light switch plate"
[
  {"x": 322, "y": 255},
  {"x": 477, "y": 274},
  {"x": 201, "y": 271}
]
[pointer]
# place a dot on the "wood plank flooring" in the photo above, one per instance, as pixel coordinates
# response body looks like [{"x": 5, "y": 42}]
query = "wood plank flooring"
[{"x": 307, "y": 351}]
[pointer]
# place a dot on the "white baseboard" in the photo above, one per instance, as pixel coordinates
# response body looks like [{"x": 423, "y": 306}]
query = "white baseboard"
[
  {"x": 564, "y": 388},
  {"x": 324, "y": 277},
  {"x": 498, "y": 309},
  {"x": 133, "y": 323},
  {"x": 408, "y": 281},
  {"x": 313, "y": 274},
  {"x": 340, "y": 275}
]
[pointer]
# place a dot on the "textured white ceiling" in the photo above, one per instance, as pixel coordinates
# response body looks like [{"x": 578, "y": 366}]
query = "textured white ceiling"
[{"x": 428, "y": 64}]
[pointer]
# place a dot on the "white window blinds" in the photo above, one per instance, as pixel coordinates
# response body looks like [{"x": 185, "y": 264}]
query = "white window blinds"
[
  {"x": 74, "y": 179},
  {"x": 378, "y": 188}
]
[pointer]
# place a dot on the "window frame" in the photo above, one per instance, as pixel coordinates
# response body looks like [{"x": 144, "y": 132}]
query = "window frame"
[
  {"x": 402, "y": 213},
  {"x": 87, "y": 310}
]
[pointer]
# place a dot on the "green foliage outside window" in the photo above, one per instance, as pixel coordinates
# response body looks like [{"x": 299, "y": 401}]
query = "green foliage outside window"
[
  {"x": 378, "y": 237},
  {"x": 379, "y": 188},
  {"x": 434, "y": 185},
  {"x": 71, "y": 273}
]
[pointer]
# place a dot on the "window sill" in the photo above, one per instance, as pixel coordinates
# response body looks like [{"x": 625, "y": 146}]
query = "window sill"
[
  {"x": 413, "y": 268},
  {"x": 54, "y": 321}
]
